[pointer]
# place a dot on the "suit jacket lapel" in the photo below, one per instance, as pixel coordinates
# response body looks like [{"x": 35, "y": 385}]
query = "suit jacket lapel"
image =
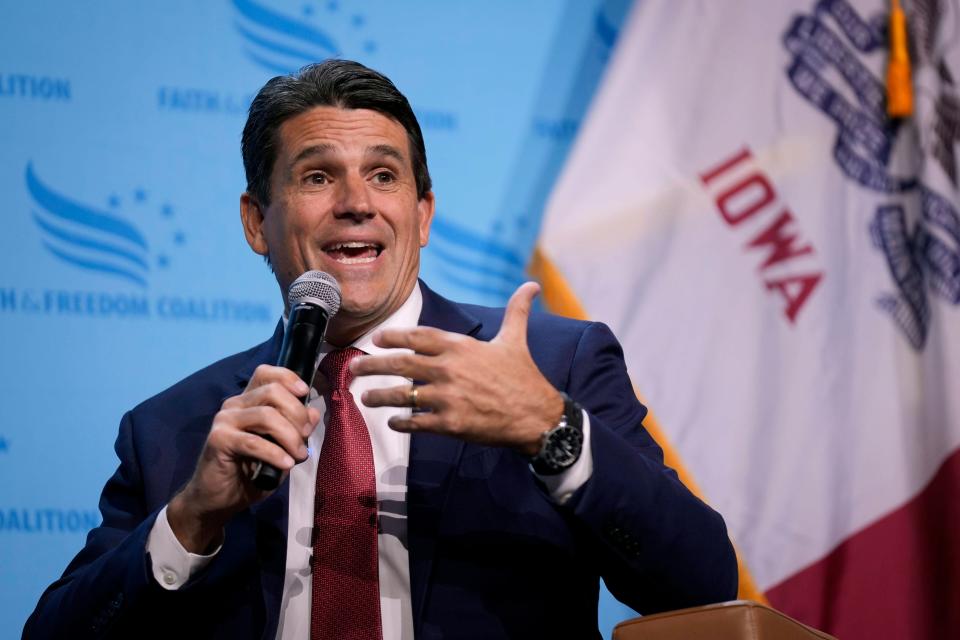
[
  {"x": 433, "y": 461},
  {"x": 270, "y": 515}
]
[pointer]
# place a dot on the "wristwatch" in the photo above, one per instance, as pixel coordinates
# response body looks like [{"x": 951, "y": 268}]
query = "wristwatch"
[{"x": 562, "y": 444}]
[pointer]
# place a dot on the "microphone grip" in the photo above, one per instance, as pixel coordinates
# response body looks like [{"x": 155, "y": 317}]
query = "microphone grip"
[{"x": 302, "y": 341}]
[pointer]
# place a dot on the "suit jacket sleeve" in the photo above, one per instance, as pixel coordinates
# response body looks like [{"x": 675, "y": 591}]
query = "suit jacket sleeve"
[
  {"x": 108, "y": 589},
  {"x": 658, "y": 546},
  {"x": 111, "y": 574}
]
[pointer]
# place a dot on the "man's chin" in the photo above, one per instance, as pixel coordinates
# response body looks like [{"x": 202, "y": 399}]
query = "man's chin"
[
  {"x": 354, "y": 319},
  {"x": 360, "y": 307},
  {"x": 363, "y": 306},
  {"x": 370, "y": 299}
]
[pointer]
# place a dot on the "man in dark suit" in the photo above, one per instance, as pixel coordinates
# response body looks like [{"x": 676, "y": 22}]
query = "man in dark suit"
[{"x": 523, "y": 476}]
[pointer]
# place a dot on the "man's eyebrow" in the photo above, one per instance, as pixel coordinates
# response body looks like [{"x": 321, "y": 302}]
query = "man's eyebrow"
[
  {"x": 315, "y": 150},
  {"x": 386, "y": 150},
  {"x": 324, "y": 148}
]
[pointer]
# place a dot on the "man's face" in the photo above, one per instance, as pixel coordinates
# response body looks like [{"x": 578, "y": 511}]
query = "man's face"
[{"x": 344, "y": 200}]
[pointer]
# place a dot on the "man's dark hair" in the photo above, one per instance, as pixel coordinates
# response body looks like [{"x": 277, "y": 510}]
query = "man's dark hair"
[{"x": 332, "y": 83}]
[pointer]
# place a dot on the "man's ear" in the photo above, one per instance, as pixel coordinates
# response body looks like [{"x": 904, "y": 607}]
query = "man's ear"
[
  {"x": 251, "y": 214},
  {"x": 425, "y": 209}
]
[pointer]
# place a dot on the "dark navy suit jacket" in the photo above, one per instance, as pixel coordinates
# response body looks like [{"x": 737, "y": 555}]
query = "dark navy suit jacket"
[{"x": 491, "y": 556}]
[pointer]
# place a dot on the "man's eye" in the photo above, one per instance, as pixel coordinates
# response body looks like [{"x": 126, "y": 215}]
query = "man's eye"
[
  {"x": 384, "y": 177},
  {"x": 317, "y": 178}
]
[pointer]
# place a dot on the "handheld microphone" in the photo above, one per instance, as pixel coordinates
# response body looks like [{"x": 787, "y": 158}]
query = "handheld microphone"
[{"x": 314, "y": 298}]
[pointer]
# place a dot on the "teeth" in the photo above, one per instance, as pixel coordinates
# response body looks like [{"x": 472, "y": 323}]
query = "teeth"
[
  {"x": 356, "y": 244},
  {"x": 355, "y": 260},
  {"x": 350, "y": 245}
]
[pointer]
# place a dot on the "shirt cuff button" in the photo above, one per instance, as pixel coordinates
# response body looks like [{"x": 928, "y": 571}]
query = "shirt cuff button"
[{"x": 169, "y": 577}]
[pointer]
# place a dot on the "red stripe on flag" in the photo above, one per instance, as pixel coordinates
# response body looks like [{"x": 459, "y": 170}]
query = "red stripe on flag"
[{"x": 898, "y": 578}]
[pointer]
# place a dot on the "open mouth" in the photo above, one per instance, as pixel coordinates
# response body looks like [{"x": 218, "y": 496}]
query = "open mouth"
[{"x": 357, "y": 252}]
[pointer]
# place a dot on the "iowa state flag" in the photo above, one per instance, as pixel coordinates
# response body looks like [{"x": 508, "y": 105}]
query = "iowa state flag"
[{"x": 781, "y": 261}]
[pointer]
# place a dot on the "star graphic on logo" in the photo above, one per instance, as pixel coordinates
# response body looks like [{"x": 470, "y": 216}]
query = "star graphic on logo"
[{"x": 127, "y": 239}]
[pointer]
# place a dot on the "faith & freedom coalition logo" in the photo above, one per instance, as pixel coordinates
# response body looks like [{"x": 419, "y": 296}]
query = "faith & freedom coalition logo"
[
  {"x": 106, "y": 245},
  {"x": 282, "y": 43},
  {"x": 275, "y": 42},
  {"x": 916, "y": 226}
]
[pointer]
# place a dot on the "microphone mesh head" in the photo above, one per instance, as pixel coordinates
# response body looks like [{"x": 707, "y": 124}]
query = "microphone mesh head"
[{"x": 316, "y": 287}]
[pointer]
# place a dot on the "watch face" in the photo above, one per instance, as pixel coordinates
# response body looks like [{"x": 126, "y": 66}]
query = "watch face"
[{"x": 563, "y": 447}]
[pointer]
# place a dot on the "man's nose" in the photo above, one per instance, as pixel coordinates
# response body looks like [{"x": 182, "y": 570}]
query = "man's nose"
[{"x": 354, "y": 201}]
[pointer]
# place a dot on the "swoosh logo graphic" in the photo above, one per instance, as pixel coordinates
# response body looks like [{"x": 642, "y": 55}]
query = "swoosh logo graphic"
[
  {"x": 467, "y": 240},
  {"x": 476, "y": 263},
  {"x": 85, "y": 237},
  {"x": 279, "y": 43}
]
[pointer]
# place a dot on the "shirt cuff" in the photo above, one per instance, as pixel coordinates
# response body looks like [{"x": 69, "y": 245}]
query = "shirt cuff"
[
  {"x": 172, "y": 565},
  {"x": 564, "y": 484}
]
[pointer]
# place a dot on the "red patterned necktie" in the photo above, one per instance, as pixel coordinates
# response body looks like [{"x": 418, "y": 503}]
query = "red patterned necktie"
[{"x": 346, "y": 587}]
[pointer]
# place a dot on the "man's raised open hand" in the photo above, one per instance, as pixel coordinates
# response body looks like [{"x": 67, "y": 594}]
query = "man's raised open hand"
[{"x": 486, "y": 392}]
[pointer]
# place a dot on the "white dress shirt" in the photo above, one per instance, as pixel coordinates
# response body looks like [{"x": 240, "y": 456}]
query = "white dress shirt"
[{"x": 173, "y": 565}]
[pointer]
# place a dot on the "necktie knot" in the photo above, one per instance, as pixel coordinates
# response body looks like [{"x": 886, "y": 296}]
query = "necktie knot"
[{"x": 335, "y": 366}]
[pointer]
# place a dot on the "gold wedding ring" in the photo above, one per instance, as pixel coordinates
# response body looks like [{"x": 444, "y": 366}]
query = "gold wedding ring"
[{"x": 412, "y": 398}]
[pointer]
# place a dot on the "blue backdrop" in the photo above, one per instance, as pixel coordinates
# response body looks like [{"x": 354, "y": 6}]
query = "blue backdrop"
[{"x": 123, "y": 263}]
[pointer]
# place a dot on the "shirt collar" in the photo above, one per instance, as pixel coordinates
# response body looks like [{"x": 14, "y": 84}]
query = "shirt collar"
[{"x": 406, "y": 317}]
